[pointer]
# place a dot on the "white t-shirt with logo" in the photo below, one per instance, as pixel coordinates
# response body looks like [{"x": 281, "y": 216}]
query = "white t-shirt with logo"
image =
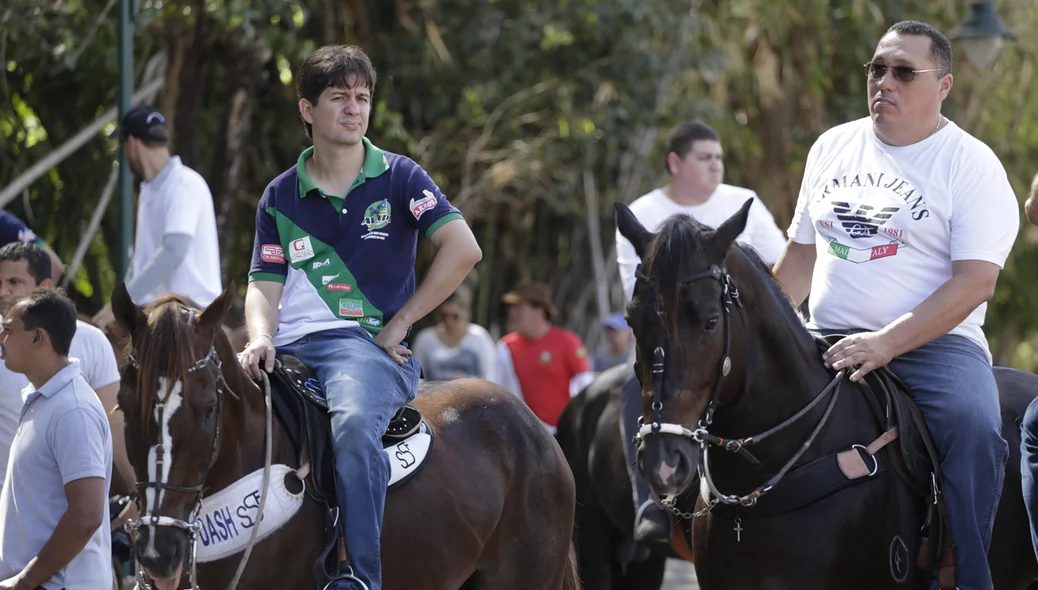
[
  {"x": 889, "y": 221},
  {"x": 178, "y": 201},
  {"x": 98, "y": 366},
  {"x": 655, "y": 207}
]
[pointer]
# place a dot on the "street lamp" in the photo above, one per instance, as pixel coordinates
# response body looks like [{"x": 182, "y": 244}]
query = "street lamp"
[{"x": 982, "y": 35}]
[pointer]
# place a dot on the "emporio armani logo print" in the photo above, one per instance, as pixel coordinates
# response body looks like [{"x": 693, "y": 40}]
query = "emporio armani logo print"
[{"x": 864, "y": 222}]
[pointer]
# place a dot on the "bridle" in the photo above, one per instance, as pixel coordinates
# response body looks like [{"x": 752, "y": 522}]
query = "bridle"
[
  {"x": 729, "y": 300},
  {"x": 149, "y": 516}
]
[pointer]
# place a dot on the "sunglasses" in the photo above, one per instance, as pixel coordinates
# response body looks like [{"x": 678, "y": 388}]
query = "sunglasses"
[{"x": 901, "y": 73}]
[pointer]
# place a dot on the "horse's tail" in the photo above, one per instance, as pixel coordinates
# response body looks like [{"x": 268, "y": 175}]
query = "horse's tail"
[{"x": 571, "y": 581}]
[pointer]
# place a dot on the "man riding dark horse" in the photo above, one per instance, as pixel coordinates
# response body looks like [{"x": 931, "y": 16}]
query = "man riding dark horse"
[{"x": 902, "y": 225}]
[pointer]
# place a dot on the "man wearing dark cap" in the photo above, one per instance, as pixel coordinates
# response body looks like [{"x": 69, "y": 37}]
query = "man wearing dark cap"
[
  {"x": 543, "y": 364},
  {"x": 175, "y": 249}
]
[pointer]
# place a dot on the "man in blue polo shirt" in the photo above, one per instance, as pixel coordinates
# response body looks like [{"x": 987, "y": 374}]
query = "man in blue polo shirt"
[{"x": 332, "y": 281}]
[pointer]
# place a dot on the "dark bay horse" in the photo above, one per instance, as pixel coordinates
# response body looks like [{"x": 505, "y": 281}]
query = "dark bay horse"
[
  {"x": 492, "y": 508},
  {"x": 589, "y": 434},
  {"x": 726, "y": 363}
]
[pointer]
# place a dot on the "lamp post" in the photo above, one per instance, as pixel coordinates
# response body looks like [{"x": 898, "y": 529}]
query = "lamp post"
[
  {"x": 982, "y": 35},
  {"x": 125, "y": 103}
]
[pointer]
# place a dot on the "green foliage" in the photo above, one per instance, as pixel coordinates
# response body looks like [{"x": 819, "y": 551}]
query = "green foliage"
[{"x": 512, "y": 105}]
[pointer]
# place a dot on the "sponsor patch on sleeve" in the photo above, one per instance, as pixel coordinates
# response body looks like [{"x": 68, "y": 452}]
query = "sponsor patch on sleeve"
[
  {"x": 272, "y": 253},
  {"x": 422, "y": 205}
]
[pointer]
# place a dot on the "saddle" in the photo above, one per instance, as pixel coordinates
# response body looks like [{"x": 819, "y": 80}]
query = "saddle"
[
  {"x": 913, "y": 457},
  {"x": 298, "y": 401}
]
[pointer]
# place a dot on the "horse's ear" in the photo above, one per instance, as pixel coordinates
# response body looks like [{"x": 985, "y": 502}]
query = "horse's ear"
[
  {"x": 728, "y": 231},
  {"x": 212, "y": 317},
  {"x": 632, "y": 229},
  {"x": 127, "y": 314}
]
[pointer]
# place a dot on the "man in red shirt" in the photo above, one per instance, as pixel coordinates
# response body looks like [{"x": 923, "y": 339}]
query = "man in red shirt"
[{"x": 543, "y": 364}]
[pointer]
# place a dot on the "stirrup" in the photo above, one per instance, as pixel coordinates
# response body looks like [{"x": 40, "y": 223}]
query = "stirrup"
[{"x": 347, "y": 577}]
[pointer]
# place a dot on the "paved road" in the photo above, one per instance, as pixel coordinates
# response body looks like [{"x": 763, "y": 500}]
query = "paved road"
[{"x": 680, "y": 575}]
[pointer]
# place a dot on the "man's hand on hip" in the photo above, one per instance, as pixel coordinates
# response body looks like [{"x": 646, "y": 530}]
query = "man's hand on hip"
[
  {"x": 868, "y": 351},
  {"x": 260, "y": 348},
  {"x": 389, "y": 340}
]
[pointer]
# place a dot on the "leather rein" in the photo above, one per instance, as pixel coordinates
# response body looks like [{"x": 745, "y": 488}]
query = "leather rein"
[{"x": 702, "y": 435}]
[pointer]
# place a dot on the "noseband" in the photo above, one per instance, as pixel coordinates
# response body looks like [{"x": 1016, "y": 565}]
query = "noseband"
[{"x": 701, "y": 435}]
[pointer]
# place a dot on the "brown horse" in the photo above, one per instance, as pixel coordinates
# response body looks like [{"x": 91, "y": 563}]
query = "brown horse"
[
  {"x": 492, "y": 508},
  {"x": 722, "y": 356}
]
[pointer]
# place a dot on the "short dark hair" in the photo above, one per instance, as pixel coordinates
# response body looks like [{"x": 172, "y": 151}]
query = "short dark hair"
[
  {"x": 940, "y": 47},
  {"x": 50, "y": 309},
  {"x": 332, "y": 66},
  {"x": 36, "y": 258},
  {"x": 681, "y": 138}
]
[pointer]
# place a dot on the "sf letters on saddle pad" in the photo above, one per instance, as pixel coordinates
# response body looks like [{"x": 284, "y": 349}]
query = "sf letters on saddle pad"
[{"x": 227, "y": 517}]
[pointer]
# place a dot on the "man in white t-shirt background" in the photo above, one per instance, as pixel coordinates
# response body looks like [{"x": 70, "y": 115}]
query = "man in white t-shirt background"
[
  {"x": 902, "y": 225},
  {"x": 1031, "y": 206},
  {"x": 175, "y": 249},
  {"x": 24, "y": 268},
  {"x": 695, "y": 162}
]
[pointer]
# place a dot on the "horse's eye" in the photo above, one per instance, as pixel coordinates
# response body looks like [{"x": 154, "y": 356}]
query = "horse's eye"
[
  {"x": 208, "y": 416},
  {"x": 711, "y": 324}
]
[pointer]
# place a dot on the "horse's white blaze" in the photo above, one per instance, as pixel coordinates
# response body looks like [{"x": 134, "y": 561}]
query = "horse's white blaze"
[
  {"x": 171, "y": 401},
  {"x": 666, "y": 471}
]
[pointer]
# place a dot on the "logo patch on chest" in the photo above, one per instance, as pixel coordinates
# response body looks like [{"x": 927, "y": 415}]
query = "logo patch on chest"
[
  {"x": 378, "y": 215},
  {"x": 301, "y": 249},
  {"x": 351, "y": 308},
  {"x": 422, "y": 205}
]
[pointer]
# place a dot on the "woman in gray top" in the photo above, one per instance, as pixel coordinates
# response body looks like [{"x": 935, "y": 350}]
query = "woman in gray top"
[{"x": 455, "y": 347}]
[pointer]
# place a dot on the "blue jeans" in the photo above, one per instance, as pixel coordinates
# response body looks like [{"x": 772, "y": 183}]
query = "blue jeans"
[
  {"x": 1029, "y": 467},
  {"x": 951, "y": 381},
  {"x": 364, "y": 387}
]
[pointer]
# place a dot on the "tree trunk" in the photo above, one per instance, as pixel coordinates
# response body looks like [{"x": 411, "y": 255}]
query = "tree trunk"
[{"x": 189, "y": 99}]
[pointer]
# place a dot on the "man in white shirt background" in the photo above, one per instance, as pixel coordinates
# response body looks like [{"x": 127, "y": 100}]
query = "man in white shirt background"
[
  {"x": 695, "y": 162},
  {"x": 24, "y": 268},
  {"x": 175, "y": 248}
]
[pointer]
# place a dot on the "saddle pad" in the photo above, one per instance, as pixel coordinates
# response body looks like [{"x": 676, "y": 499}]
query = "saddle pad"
[
  {"x": 407, "y": 456},
  {"x": 227, "y": 517}
]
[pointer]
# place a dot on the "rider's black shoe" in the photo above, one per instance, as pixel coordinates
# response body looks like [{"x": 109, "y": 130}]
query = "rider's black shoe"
[{"x": 652, "y": 524}]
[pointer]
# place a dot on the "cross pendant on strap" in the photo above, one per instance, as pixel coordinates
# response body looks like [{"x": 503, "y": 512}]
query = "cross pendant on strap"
[{"x": 738, "y": 530}]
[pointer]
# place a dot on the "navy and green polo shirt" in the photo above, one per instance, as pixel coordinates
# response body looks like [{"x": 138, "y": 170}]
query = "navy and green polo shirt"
[{"x": 345, "y": 261}]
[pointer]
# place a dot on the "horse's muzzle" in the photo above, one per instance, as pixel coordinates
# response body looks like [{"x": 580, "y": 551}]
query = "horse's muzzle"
[
  {"x": 669, "y": 463},
  {"x": 160, "y": 550}
]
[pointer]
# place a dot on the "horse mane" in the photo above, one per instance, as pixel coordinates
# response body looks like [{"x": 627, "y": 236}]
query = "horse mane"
[
  {"x": 668, "y": 258},
  {"x": 166, "y": 352},
  {"x": 789, "y": 310}
]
